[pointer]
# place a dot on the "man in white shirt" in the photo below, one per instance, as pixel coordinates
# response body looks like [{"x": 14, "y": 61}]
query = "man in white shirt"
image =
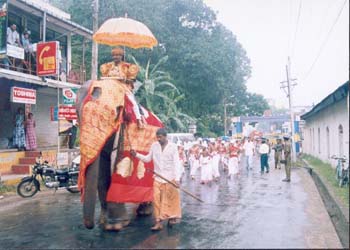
[
  {"x": 166, "y": 202},
  {"x": 249, "y": 152},
  {"x": 264, "y": 153},
  {"x": 13, "y": 36}
]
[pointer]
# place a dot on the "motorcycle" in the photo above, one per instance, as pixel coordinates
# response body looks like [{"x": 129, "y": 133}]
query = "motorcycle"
[{"x": 52, "y": 178}]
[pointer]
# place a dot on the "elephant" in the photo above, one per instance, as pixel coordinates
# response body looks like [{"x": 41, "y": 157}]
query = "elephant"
[{"x": 98, "y": 173}]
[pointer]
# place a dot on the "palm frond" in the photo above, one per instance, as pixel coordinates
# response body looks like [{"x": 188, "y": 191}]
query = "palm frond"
[
  {"x": 178, "y": 122},
  {"x": 163, "y": 96},
  {"x": 169, "y": 84},
  {"x": 161, "y": 61}
]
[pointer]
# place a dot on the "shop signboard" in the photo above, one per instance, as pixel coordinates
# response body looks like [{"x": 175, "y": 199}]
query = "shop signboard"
[
  {"x": 67, "y": 112},
  {"x": 69, "y": 95},
  {"x": 3, "y": 27},
  {"x": 47, "y": 58},
  {"x": 23, "y": 95}
]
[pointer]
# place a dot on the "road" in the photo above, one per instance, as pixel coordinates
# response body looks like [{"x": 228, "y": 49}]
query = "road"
[{"x": 248, "y": 211}]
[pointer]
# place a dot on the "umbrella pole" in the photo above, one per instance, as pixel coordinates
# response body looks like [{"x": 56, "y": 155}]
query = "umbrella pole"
[{"x": 126, "y": 16}]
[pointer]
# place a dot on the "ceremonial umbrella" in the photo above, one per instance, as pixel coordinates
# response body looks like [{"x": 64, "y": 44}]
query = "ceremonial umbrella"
[{"x": 125, "y": 32}]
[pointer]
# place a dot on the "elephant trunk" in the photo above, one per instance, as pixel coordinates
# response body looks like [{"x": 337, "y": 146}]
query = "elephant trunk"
[{"x": 90, "y": 192}]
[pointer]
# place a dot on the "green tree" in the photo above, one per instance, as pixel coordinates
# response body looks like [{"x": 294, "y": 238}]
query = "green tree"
[
  {"x": 205, "y": 59},
  {"x": 158, "y": 94}
]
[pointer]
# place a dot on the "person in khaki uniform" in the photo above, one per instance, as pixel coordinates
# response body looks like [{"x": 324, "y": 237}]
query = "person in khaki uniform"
[
  {"x": 278, "y": 153},
  {"x": 287, "y": 157}
]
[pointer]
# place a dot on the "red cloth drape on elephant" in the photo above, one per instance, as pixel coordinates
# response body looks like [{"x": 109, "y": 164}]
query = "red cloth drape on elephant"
[{"x": 130, "y": 181}]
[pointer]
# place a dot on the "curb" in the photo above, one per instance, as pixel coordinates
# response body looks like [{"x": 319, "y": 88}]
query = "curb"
[
  {"x": 11, "y": 182},
  {"x": 338, "y": 219}
]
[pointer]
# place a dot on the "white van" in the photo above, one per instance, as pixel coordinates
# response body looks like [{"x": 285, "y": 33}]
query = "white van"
[{"x": 176, "y": 137}]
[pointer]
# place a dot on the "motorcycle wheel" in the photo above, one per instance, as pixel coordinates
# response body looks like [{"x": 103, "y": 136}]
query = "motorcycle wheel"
[
  {"x": 27, "y": 189},
  {"x": 74, "y": 181}
]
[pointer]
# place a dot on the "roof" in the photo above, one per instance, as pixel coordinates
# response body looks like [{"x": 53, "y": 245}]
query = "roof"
[
  {"x": 22, "y": 77},
  {"x": 54, "y": 15},
  {"x": 338, "y": 95}
]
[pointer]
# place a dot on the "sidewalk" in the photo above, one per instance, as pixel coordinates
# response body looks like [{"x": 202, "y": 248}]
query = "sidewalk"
[
  {"x": 337, "y": 210},
  {"x": 11, "y": 179}
]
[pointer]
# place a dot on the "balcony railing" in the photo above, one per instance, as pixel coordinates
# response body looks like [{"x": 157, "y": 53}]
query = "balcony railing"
[{"x": 75, "y": 74}]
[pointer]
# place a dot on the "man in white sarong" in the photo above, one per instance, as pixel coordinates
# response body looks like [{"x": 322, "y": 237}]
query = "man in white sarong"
[
  {"x": 215, "y": 159},
  {"x": 166, "y": 160},
  {"x": 233, "y": 161}
]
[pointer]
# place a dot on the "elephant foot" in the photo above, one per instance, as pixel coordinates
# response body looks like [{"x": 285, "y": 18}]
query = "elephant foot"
[
  {"x": 103, "y": 218},
  {"x": 145, "y": 209},
  {"x": 116, "y": 226},
  {"x": 89, "y": 224}
]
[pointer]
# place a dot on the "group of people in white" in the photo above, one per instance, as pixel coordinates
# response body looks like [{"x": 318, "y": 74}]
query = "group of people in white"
[{"x": 206, "y": 157}]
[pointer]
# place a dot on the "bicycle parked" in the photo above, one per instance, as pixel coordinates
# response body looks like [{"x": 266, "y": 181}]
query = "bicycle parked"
[{"x": 342, "y": 171}]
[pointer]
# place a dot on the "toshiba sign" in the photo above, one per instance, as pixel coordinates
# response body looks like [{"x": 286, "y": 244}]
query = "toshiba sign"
[{"x": 23, "y": 95}]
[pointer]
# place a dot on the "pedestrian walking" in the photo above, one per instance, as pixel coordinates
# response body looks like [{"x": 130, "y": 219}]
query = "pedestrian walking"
[
  {"x": 222, "y": 152},
  {"x": 233, "y": 154},
  {"x": 166, "y": 202},
  {"x": 287, "y": 157},
  {"x": 194, "y": 159},
  {"x": 264, "y": 152},
  {"x": 215, "y": 159},
  {"x": 249, "y": 150},
  {"x": 278, "y": 153},
  {"x": 181, "y": 166},
  {"x": 30, "y": 133},
  {"x": 206, "y": 168}
]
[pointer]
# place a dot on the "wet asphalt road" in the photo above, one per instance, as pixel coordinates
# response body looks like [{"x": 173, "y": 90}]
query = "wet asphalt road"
[{"x": 248, "y": 211}]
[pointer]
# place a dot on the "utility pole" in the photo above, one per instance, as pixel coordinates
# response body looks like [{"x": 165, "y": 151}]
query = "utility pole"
[
  {"x": 225, "y": 120},
  {"x": 289, "y": 95},
  {"x": 94, "y": 56},
  {"x": 225, "y": 113}
]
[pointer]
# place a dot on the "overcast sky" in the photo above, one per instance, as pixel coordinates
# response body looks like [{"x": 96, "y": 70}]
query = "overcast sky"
[{"x": 268, "y": 31}]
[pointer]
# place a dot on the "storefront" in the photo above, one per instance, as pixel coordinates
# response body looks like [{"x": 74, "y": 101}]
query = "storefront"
[
  {"x": 41, "y": 100},
  {"x": 45, "y": 97},
  {"x": 35, "y": 89}
]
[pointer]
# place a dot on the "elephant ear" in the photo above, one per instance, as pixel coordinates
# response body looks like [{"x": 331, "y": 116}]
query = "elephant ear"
[
  {"x": 125, "y": 167},
  {"x": 141, "y": 170}
]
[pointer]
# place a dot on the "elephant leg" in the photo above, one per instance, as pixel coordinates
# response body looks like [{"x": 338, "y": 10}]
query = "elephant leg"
[
  {"x": 145, "y": 209},
  {"x": 90, "y": 194},
  {"x": 104, "y": 181},
  {"x": 119, "y": 215}
]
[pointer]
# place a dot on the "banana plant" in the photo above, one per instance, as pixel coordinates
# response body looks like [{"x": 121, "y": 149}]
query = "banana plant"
[{"x": 156, "y": 92}]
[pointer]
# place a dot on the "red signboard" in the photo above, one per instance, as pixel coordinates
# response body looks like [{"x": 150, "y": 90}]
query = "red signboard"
[
  {"x": 23, "y": 95},
  {"x": 47, "y": 58},
  {"x": 67, "y": 112}
]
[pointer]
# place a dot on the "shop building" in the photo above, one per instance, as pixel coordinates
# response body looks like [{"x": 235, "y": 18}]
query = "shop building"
[
  {"x": 326, "y": 130},
  {"x": 41, "y": 94}
]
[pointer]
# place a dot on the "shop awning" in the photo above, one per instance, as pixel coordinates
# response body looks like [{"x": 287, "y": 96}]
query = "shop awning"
[
  {"x": 59, "y": 84},
  {"x": 37, "y": 8},
  {"x": 22, "y": 77}
]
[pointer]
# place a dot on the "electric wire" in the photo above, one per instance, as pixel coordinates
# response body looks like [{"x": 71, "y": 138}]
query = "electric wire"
[
  {"x": 325, "y": 40},
  {"x": 296, "y": 28}
]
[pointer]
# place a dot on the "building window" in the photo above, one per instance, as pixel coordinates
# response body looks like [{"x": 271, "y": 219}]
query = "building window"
[
  {"x": 319, "y": 140},
  {"x": 340, "y": 136},
  {"x": 328, "y": 146}
]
